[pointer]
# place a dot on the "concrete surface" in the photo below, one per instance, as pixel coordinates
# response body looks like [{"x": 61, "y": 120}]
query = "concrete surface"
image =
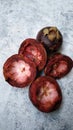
[{"x": 21, "y": 19}]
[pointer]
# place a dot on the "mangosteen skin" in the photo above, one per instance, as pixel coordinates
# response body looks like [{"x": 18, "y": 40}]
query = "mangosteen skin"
[
  {"x": 45, "y": 94},
  {"x": 51, "y": 38}
]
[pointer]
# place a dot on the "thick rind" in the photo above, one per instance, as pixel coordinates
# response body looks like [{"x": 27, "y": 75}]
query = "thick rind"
[
  {"x": 34, "y": 90},
  {"x": 39, "y": 47},
  {"x": 8, "y": 66},
  {"x": 56, "y": 59},
  {"x": 50, "y": 46}
]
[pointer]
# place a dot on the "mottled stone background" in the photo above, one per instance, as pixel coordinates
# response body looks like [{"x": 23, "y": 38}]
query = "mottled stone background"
[{"x": 20, "y": 19}]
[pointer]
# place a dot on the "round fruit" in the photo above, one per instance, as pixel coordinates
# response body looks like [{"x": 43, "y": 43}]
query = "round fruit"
[
  {"x": 58, "y": 66},
  {"x": 19, "y": 71},
  {"x": 45, "y": 94},
  {"x": 50, "y": 37},
  {"x": 34, "y": 51}
]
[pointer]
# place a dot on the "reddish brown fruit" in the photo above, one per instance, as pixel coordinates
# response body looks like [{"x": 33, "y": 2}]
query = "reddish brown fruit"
[
  {"x": 34, "y": 51},
  {"x": 58, "y": 65},
  {"x": 45, "y": 94},
  {"x": 50, "y": 37},
  {"x": 19, "y": 71}
]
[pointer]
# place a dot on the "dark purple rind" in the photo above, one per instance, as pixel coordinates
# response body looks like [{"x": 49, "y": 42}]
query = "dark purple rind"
[
  {"x": 55, "y": 59},
  {"x": 34, "y": 90},
  {"x": 8, "y": 65}
]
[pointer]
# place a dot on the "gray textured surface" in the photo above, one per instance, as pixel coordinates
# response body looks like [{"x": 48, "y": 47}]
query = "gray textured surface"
[{"x": 20, "y": 20}]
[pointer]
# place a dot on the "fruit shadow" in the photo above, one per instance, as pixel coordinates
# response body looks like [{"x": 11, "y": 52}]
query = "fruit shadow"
[{"x": 40, "y": 73}]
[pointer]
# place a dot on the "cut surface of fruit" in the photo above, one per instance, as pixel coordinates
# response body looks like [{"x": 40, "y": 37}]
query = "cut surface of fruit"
[
  {"x": 19, "y": 71},
  {"x": 34, "y": 51},
  {"x": 45, "y": 94},
  {"x": 58, "y": 65}
]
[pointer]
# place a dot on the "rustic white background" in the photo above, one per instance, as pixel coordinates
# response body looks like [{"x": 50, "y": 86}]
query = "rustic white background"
[{"x": 21, "y": 19}]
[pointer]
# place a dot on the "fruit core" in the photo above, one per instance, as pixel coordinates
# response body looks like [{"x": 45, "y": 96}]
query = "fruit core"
[
  {"x": 21, "y": 71},
  {"x": 47, "y": 94}
]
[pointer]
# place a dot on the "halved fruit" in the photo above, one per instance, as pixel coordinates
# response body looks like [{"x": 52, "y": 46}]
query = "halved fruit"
[
  {"x": 45, "y": 94},
  {"x": 34, "y": 51},
  {"x": 19, "y": 71},
  {"x": 58, "y": 66}
]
